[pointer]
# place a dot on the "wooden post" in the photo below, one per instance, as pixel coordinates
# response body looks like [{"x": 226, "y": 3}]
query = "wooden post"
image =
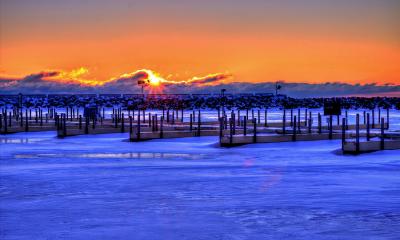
[
  {"x": 191, "y": 122},
  {"x": 156, "y": 122},
  {"x": 382, "y": 134},
  {"x": 310, "y": 122},
  {"x": 41, "y": 117},
  {"x": 21, "y": 122},
  {"x": 265, "y": 118},
  {"x": 343, "y": 132},
  {"x": 198, "y": 124},
  {"x": 245, "y": 128},
  {"x": 233, "y": 123},
  {"x": 80, "y": 121},
  {"x": 298, "y": 118},
  {"x": 330, "y": 127},
  {"x": 138, "y": 127},
  {"x": 258, "y": 116},
  {"x": 357, "y": 133},
  {"x": 168, "y": 115},
  {"x": 182, "y": 115},
  {"x": 294, "y": 129},
  {"x": 305, "y": 117},
  {"x": 373, "y": 118},
  {"x": 284, "y": 122},
  {"x": 27, "y": 122},
  {"x": 347, "y": 121},
  {"x": 379, "y": 115},
  {"x": 231, "y": 130},
  {"x": 149, "y": 120},
  {"x": 319, "y": 124},
  {"x": 162, "y": 127},
  {"x": 368, "y": 127},
  {"x": 364, "y": 116},
  {"x": 9, "y": 119},
  {"x": 238, "y": 118},
  {"x": 93, "y": 123},
  {"x": 221, "y": 128},
  {"x": 291, "y": 117},
  {"x": 387, "y": 118},
  {"x": 5, "y": 122},
  {"x": 130, "y": 125},
  {"x": 122, "y": 123},
  {"x": 254, "y": 130}
]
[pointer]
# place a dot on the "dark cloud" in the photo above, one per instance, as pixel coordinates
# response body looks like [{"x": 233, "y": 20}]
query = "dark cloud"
[{"x": 37, "y": 83}]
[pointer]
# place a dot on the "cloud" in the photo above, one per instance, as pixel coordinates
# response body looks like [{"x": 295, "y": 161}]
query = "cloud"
[{"x": 71, "y": 82}]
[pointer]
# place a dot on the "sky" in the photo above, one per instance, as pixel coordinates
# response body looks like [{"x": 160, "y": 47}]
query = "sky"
[{"x": 303, "y": 41}]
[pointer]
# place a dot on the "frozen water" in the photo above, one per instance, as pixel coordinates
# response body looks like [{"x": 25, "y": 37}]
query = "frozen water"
[{"x": 103, "y": 187}]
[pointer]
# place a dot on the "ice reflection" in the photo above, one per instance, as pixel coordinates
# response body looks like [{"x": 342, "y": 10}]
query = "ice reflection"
[
  {"x": 20, "y": 140},
  {"x": 135, "y": 155}
]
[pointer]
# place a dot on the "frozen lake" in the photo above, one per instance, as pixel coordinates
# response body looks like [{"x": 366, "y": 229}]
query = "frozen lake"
[{"x": 102, "y": 187}]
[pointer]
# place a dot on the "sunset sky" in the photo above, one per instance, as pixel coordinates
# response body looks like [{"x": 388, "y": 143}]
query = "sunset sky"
[{"x": 315, "y": 41}]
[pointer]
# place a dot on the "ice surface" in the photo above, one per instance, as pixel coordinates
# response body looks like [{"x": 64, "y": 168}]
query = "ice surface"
[{"x": 103, "y": 187}]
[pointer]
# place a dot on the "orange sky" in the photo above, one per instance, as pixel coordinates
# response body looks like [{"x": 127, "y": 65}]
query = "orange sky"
[{"x": 326, "y": 46}]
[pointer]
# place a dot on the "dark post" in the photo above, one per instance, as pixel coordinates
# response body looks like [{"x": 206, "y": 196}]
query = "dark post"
[
  {"x": 41, "y": 117},
  {"x": 122, "y": 123},
  {"x": 387, "y": 118},
  {"x": 5, "y": 122},
  {"x": 382, "y": 134},
  {"x": 191, "y": 122},
  {"x": 309, "y": 122},
  {"x": 357, "y": 133},
  {"x": 198, "y": 124},
  {"x": 343, "y": 132},
  {"x": 182, "y": 115},
  {"x": 379, "y": 115},
  {"x": 162, "y": 127},
  {"x": 305, "y": 117},
  {"x": 294, "y": 128},
  {"x": 80, "y": 121},
  {"x": 231, "y": 130},
  {"x": 330, "y": 127},
  {"x": 238, "y": 118},
  {"x": 265, "y": 118},
  {"x": 258, "y": 116},
  {"x": 149, "y": 119},
  {"x": 373, "y": 118},
  {"x": 368, "y": 136},
  {"x": 319, "y": 124},
  {"x": 347, "y": 121},
  {"x": 254, "y": 130},
  {"x": 9, "y": 119},
  {"x": 27, "y": 122},
  {"x": 221, "y": 128},
  {"x": 291, "y": 117},
  {"x": 284, "y": 122},
  {"x": 245, "y": 128},
  {"x": 130, "y": 125},
  {"x": 138, "y": 127},
  {"x": 364, "y": 116}
]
